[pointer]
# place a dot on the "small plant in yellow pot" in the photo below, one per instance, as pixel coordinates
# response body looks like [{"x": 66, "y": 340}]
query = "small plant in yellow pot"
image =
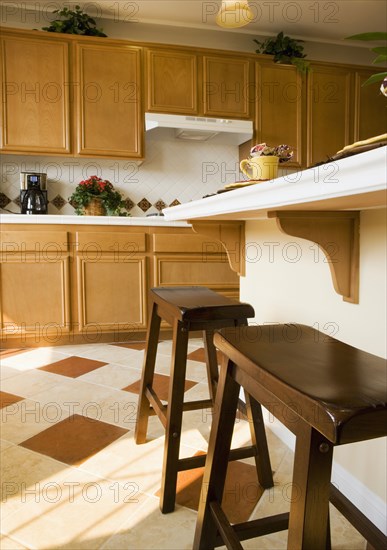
[
  {"x": 97, "y": 197},
  {"x": 263, "y": 161}
]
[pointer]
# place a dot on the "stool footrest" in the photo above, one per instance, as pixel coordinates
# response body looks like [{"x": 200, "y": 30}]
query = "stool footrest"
[
  {"x": 200, "y": 460},
  {"x": 247, "y": 530}
]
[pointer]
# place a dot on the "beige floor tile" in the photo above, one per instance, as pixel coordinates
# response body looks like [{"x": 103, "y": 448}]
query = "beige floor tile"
[
  {"x": 28, "y": 383},
  {"x": 149, "y": 528},
  {"x": 115, "y": 354},
  {"x": 5, "y": 445},
  {"x": 112, "y": 375},
  {"x": 7, "y": 372},
  {"x": 33, "y": 359},
  {"x": 6, "y": 543},
  {"x": 195, "y": 371}
]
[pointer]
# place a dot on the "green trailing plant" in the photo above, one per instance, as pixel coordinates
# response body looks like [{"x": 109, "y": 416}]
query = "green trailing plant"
[
  {"x": 97, "y": 188},
  {"x": 381, "y": 52},
  {"x": 284, "y": 50},
  {"x": 74, "y": 22}
]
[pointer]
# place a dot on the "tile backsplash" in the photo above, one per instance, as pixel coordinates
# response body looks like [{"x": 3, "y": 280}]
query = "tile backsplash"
[{"x": 173, "y": 172}]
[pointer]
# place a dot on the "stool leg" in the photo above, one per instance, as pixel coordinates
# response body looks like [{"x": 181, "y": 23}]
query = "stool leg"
[
  {"x": 174, "y": 418},
  {"x": 309, "y": 511},
  {"x": 258, "y": 438},
  {"x": 217, "y": 458},
  {"x": 211, "y": 362},
  {"x": 147, "y": 376}
]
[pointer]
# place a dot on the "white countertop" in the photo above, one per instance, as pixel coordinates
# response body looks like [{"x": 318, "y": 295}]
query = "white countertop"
[
  {"x": 353, "y": 183},
  {"x": 151, "y": 221}
]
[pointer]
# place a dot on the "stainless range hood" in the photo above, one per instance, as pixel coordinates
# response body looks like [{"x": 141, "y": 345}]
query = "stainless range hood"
[{"x": 191, "y": 128}]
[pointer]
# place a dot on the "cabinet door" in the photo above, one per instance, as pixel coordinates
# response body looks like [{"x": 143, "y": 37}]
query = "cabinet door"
[
  {"x": 172, "y": 82},
  {"x": 35, "y": 104},
  {"x": 328, "y": 123},
  {"x": 110, "y": 110},
  {"x": 226, "y": 86},
  {"x": 279, "y": 107},
  {"x": 370, "y": 108}
]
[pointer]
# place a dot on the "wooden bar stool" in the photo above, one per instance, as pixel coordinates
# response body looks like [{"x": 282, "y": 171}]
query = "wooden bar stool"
[
  {"x": 192, "y": 309},
  {"x": 327, "y": 393}
]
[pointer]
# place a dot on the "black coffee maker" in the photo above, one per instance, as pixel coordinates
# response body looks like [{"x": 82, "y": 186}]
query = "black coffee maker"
[{"x": 33, "y": 193}]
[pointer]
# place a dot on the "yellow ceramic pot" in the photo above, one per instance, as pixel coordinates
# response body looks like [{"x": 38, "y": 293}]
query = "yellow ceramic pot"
[{"x": 260, "y": 168}]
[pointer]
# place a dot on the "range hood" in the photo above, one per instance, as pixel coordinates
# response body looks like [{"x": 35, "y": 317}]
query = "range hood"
[{"x": 191, "y": 128}]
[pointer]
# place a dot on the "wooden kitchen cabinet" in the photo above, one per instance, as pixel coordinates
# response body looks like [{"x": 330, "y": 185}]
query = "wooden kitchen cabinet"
[
  {"x": 35, "y": 95},
  {"x": 110, "y": 121},
  {"x": 370, "y": 108},
  {"x": 227, "y": 86},
  {"x": 34, "y": 282},
  {"x": 280, "y": 98},
  {"x": 172, "y": 82},
  {"x": 329, "y": 113}
]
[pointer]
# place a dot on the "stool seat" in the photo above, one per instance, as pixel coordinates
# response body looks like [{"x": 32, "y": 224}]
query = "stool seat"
[
  {"x": 338, "y": 389},
  {"x": 327, "y": 393},
  {"x": 198, "y": 304},
  {"x": 189, "y": 309}
]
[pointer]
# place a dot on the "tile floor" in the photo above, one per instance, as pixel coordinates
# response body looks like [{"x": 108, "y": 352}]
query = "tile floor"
[{"x": 72, "y": 476}]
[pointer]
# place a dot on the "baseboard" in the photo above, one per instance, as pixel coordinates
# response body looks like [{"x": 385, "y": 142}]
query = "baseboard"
[{"x": 370, "y": 504}]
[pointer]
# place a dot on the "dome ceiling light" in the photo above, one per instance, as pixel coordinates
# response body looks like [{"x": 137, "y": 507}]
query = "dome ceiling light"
[{"x": 233, "y": 15}]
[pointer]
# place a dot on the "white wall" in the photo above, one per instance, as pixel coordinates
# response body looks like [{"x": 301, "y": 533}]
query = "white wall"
[{"x": 293, "y": 284}]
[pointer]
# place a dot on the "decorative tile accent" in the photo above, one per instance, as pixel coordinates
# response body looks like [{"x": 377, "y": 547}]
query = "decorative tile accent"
[
  {"x": 59, "y": 202},
  {"x": 8, "y": 399},
  {"x": 4, "y": 200},
  {"x": 74, "y": 439},
  {"x": 175, "y": 203},
  {"x": 144, "y": 204},
  {"x": 199, "y": 355},
  {"x": 160, "y": 205},
  {"x": 160, "y": 385},
  {"x": 17, "y": 201},
  {"x": 73, "y": 366},
  {"x": 129, "y": 204}
]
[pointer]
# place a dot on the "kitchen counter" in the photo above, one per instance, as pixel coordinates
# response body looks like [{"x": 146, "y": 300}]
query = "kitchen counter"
[
  {"x": 353, "y": 183},
  {"x": 151, "y": 221}
]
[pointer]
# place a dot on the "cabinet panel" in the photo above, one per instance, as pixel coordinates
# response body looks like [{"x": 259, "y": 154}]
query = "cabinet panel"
[
  {"x": 226, "y": 86},
  {"x": 43, "y": 306},
  {"x": 186, "y": 243},
  {"x": 112, "y": 293},
  {"x": 329, "y": 121},
  {"x": 190, "y": 270},
  {"x": 43, "y": 242},
  {"x": 117, "y": 242},
  {"x": 370, "y": 108},
  {"x": 110, "y": 118},
  {"x": 35, "y": 105},
  {"x": 172, "y": 82},
  {"x": 279, "y": 107}
]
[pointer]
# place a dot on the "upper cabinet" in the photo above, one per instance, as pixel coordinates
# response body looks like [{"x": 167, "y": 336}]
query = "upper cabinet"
[
  {"x": 226, "y": 86},
  {"x": 110, "y": 114},
  {"x": 35, "y": 102},
  {"x": 370, "y": 108},
  {"x": 329, "y": 116},
  {"x": 279, "y": 107},
  {"x": 172, "y": 84}
]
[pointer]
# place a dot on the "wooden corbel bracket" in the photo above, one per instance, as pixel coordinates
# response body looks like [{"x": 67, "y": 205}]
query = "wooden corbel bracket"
[
  {"x": 337, "y": 234},
  {"x": 232, "y": 237}
]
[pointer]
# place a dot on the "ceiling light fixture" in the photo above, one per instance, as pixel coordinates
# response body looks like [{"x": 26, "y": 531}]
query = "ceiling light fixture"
[{"x": 233, "y": 15}]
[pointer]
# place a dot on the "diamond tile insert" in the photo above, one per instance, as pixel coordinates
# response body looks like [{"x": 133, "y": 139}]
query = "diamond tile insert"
[
  {"x": 8, "y": 399},
  {"x": 175, "y": 203},
  {"x": 144, "y": 204},
  {"x": 74, "y": 439},
  {"x": 160, "y": 205},
  {"x": 160, "y": 385},
  {"x": 73, "y": 366},
  {"x": 199, "y": 355},
  {"x": 59, "y": 202},
  {"x": 4, "y": 200},
  {"x": 129, "y": 204},
  {"x": 241, "y": 492}
]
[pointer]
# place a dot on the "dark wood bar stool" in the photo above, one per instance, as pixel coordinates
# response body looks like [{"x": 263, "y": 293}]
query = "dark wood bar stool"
[
  {"x": 192, "y": 309},
  {"x": 327, "y": 393}
]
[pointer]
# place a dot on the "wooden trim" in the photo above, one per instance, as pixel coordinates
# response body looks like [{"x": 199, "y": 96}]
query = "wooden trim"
[{"x": 337, "y": 234}]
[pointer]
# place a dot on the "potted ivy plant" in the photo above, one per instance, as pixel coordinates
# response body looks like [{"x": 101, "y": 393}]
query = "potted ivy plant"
[
  {"x": 285, "y": 50},
  {"x": 97, "y": 197},
  {"x": 381, "y": 57},
  {"x": 74, "y": 22}
]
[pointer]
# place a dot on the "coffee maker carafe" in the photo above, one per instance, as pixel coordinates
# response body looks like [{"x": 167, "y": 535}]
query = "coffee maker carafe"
[{"x": 33, "y": 193}]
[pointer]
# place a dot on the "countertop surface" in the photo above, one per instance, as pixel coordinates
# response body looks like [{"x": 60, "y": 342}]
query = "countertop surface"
[
  {"x": 151, "y": 221},
  {"x": 353, "y": 183}
]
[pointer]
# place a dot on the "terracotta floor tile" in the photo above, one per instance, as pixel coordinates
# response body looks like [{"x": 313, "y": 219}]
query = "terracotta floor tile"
[
  {"x": 73, "y": 366},
  {"x": 241, "y": 493},
  {"x": 74, "y": 439},
  {"x": 135, "y": 345},
  {"x": 160, "y": 385},
  {"x": 198, "y": 355},
  {"x": 8, "y": 399}
]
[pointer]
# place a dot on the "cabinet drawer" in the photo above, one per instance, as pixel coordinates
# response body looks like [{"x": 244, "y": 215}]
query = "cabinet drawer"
[
  {"x": 194, "y": 270},
  {"x": 119, "y": 243},
  {"x": 46, "y": 242},
  {"x": 186, "y": 243}
]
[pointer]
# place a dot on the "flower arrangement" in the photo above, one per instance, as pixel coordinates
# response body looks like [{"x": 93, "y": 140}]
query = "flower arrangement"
[
  {"x": 283, "y": 152},
  {"x": 97, "y": 188}
]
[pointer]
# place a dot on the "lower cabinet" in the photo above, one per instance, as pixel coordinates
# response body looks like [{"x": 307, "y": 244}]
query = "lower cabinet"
[{"x": 90, "y": 284}]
